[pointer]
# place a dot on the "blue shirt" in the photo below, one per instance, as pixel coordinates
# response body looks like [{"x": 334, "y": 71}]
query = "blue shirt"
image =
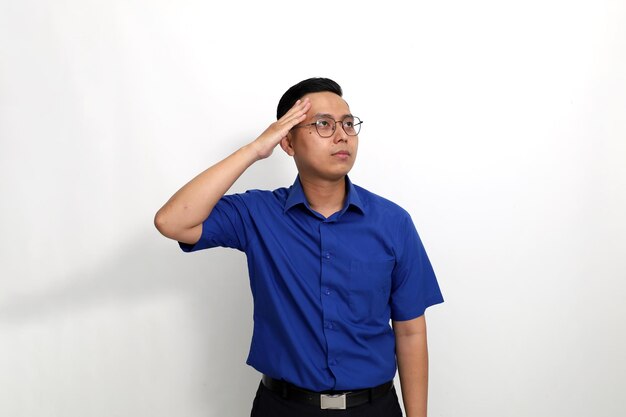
[{"x": 324, "y": 289}]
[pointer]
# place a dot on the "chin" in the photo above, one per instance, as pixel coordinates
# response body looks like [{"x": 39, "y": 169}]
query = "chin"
[{"x": 336, "y": 173}]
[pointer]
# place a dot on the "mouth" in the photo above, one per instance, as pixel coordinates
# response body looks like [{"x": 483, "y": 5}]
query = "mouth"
[{"x": 341, "y": 155}]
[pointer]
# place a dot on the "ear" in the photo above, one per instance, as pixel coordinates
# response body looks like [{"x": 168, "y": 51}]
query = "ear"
[{"x": 286, "y": 144}]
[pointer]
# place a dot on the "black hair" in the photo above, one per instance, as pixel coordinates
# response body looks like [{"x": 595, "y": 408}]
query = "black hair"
[{"x": 311, "y": 85}]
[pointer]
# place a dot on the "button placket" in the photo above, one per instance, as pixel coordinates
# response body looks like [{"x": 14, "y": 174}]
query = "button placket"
[{"x": 329, "y": 294}]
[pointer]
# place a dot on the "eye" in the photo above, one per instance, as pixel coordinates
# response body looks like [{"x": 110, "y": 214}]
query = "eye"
[
  {"x": 323, "y": 123},
  {"x": 348, "y": 121}
]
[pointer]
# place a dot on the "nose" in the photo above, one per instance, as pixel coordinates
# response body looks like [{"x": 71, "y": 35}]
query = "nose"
[{"x": 339, "y": 134}]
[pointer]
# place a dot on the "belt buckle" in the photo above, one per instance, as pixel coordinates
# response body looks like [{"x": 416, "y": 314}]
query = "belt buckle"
[{"x": 333, "y": 402}]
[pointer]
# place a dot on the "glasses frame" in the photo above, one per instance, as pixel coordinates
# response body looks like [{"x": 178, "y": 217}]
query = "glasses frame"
[{"x": 334, "y": 126}]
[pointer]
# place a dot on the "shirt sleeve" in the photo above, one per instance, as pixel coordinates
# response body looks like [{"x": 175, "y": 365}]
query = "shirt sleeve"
[
  {"x": 227, "y": 225},
  {"x": 414, "y": 284}
]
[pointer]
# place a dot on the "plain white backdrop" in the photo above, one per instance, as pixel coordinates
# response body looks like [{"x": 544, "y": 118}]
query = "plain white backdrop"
[{"x": 499, "y": 125}]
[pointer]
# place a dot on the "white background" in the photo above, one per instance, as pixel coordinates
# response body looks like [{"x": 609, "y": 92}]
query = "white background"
[{"x": 499, "y": 125}]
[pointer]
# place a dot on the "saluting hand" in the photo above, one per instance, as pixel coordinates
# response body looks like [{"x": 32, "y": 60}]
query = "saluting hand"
[
  {"x": 182, "y": 216},
  {"x": 272, "y": 136}
]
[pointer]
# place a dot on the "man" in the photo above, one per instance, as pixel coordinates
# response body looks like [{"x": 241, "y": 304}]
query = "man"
[{"x": 330, "y": 264}]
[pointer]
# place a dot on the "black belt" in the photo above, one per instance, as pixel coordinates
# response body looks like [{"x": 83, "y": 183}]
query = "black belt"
[{"x": 326, "y": 400}]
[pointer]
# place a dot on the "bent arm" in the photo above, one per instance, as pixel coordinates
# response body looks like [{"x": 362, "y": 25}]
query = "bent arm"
[
  {"x": 412, "y": 357},
  {"x": 182, "y": 216}
]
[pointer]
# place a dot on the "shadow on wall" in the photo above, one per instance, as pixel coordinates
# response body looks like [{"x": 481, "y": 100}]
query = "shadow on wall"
[
  {"x": 207, "y": 364},
  {"x": 214, "y": 282}
]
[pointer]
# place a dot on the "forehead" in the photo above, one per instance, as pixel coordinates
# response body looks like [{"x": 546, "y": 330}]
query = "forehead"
[{"x": 327, "y": 103}]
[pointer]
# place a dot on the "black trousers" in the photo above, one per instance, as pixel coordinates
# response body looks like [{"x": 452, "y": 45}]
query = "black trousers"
[{"x": 270, "y": 404}]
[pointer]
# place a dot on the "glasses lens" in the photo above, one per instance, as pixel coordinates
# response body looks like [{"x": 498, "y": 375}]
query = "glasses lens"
[
  {"x": 352, "y": 125},
  {"x": 325, "y": 127}
]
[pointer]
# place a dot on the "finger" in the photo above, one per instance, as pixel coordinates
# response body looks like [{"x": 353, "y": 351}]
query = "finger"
[
  {"x": 296, "y": 108},
  {"x": 298, "y": 113},
  {"x": 289, "y": 124},
  {"x": 295, "y": 111},
  {"x": 294, "y": 122}
]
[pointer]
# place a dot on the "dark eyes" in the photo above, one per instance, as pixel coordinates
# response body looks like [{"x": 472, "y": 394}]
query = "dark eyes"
[
  {"x": 327, "y": 123},
  {"x": 323, "y": 123},
  {"x": 326, "y": 126}
]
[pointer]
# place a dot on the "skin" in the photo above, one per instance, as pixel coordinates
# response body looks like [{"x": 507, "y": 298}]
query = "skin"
[
  {"x": 322, "y": 165},
  {"x": 412, "y": 358}
]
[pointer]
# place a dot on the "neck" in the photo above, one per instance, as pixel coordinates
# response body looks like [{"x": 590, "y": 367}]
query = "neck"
[{"x": 324, "y": 196}]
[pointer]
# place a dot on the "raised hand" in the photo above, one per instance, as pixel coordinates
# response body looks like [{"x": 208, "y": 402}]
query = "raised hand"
[
  {"x": 182, "y": 216},
  {"x": 267, "y": 141}
]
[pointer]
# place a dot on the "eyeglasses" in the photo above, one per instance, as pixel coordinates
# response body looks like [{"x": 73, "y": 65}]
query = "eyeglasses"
[{"x": 326, "y": 126}]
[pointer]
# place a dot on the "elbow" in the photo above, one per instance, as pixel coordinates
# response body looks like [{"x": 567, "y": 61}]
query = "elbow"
[
  {"x": 161, "y": 223},
  {"x": 170, "y": 226}
]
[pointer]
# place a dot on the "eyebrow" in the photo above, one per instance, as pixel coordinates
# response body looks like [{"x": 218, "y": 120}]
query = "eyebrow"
[{"x": 331, "y": 116}]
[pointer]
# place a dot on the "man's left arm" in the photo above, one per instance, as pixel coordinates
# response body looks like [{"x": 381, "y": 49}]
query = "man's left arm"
[{"x": 412, "y": 357}]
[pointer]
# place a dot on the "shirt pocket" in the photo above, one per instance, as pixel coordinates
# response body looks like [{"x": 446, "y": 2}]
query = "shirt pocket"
[{"x": 370, "y": 284}]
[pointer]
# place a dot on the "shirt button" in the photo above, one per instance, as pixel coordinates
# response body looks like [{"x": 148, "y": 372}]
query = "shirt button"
[
  {"x": 333, "y": 362},
  {"x": 327, "y": 291},
  {"x": 327, "y": 255},
  {"x": 329, "y": 324}
]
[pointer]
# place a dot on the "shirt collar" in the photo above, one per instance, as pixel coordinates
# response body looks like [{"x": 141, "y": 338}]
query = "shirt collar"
[{"x": 296, "y": 196}]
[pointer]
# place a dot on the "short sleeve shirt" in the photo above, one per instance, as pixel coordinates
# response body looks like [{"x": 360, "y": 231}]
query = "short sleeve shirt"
[{"x": 325, "y": 289}]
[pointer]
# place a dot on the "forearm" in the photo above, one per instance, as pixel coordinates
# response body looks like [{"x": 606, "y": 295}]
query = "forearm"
[
  {"x": 193, "y": 203},
  {"x": 412, "y": 357},
  {"x": 182, "y": 216}
]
